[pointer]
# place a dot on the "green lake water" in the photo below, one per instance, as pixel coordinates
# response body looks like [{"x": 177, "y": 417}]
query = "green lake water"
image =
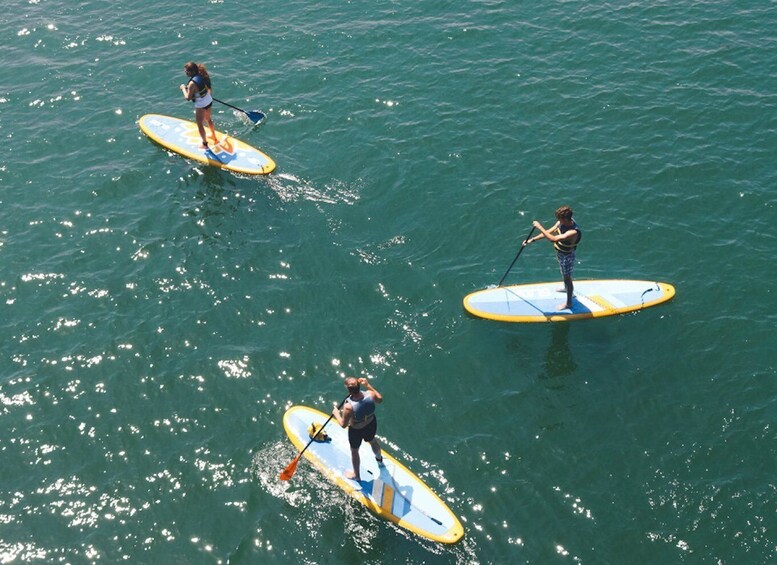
[{"x": 157, "y": 316}]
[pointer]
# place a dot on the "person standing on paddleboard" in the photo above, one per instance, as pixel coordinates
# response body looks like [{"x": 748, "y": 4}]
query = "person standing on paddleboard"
[
  {"x": 358, "y": 415},
  {"x": 198, "y": 90},
  {"x": 565, "y": 235}
]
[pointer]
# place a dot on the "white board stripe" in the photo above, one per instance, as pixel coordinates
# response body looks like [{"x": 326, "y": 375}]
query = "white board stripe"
[
  {"x": 588, "y": 303},
  {"x": 377, "y": 491}
]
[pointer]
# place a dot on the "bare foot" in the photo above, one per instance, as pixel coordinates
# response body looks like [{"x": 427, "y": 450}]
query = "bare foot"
[
  {"x": 204, "y": 145},
  {"x": 564, "y": 307},
  {"x": 351, "y": 475}
]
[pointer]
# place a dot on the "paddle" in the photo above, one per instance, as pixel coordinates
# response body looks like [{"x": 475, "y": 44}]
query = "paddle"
[
  {"x": 290, "y": 469},
  {"x": 518, "y": 255},
  {"x": 255, "y": 116}
]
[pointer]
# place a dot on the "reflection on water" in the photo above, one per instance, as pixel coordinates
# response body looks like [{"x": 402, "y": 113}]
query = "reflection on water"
[{"x": 559, "y": 361}]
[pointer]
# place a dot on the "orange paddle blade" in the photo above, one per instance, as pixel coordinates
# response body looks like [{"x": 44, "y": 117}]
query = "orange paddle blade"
[{"x": 287, "y": 473}]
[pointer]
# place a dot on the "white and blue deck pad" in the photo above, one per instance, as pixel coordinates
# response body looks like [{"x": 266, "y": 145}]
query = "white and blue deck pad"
[
  {"x": 183, "y": 137},
  {"x": 392, "y": 492},
  {"x": 592, "y": 299}
]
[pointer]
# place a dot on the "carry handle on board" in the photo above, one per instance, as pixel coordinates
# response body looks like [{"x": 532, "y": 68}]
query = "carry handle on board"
[{"x": 288, "y": 472}]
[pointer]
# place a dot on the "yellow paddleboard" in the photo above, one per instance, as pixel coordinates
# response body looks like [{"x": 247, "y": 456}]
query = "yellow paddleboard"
[
  {"x": 392, "y": 491},
  {"x": 183, "y": 137},
  {"x": 539, "y": 302}
]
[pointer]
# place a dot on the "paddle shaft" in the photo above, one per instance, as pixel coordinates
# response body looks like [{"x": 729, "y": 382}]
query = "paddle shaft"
[
  {"x": 228, "y": 104},
  {"x": 254, "y": 116},
  {"x": 289, "y": 471},
  {"x": 517, "y": 255}
]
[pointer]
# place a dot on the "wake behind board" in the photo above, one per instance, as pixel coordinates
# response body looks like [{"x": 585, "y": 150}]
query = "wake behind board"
[
  {"x": 391, "y": 492},
  {"x": 592, "y": 299},
  {"x": 183, "y": 137}
]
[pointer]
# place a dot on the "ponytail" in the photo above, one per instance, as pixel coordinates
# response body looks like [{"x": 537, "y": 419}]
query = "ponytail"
[{"x": 203, "y": 72}]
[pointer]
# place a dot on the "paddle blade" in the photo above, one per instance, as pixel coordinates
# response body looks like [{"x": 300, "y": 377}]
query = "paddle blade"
[
  {"x": 288, "y": 472},
  {"x": 256, "y": 117}
]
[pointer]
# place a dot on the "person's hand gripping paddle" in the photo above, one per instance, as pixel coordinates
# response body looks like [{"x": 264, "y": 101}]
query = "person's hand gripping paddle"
[{"x": 291, "y": 468}]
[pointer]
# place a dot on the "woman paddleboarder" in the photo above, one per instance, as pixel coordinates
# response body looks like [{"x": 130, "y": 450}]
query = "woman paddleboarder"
[{"x": 198, "y": 90}]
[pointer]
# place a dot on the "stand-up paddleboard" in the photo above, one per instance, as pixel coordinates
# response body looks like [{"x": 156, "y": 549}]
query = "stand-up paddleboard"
[
  {"x": 183, "y": 137},
  {"x": 592, "y": 299},
  {"x": 392, "y": 491}
]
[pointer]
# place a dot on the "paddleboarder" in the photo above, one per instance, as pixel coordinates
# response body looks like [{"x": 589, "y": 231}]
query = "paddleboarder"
[
  {"x": 198, "y": 90},
  {"x": 358, "y": 415},
  {"x": 565, "y": 235}
]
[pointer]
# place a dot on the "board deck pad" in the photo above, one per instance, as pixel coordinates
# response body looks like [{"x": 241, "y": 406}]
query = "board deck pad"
[
  {"x": 183, "y": 137},
  {"x": 392, "y": 492},
  {"x": 592, "y": 299}
]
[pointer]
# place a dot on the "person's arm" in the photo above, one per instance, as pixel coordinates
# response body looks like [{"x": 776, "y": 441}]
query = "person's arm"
[
  {"x": 566, "y": 235},
  {"x": 343, "y": 418},
  {"x": 189, "y": 90},
  {"x": 553, "y": 233},
  {"x": 376, "y": 396},
  {"x": 543, "y": 232}
]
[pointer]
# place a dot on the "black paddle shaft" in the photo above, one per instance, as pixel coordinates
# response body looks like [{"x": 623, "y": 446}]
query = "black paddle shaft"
[
  {"x": 228, "y": 104},
  {"x": 255, "y": 117},
  {"x": 523, "y": 245},
  {"x": 321, "y": 428}
]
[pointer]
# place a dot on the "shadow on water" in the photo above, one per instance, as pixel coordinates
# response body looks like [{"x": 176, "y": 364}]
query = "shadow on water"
[
  {"x": 213, "y": 198},
  {"x": 213, "y": 183},
  {"x": 559, "y": 361}
]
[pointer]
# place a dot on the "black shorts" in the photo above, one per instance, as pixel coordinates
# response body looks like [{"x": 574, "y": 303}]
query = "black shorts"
[{"x": 367, "y": 433}]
